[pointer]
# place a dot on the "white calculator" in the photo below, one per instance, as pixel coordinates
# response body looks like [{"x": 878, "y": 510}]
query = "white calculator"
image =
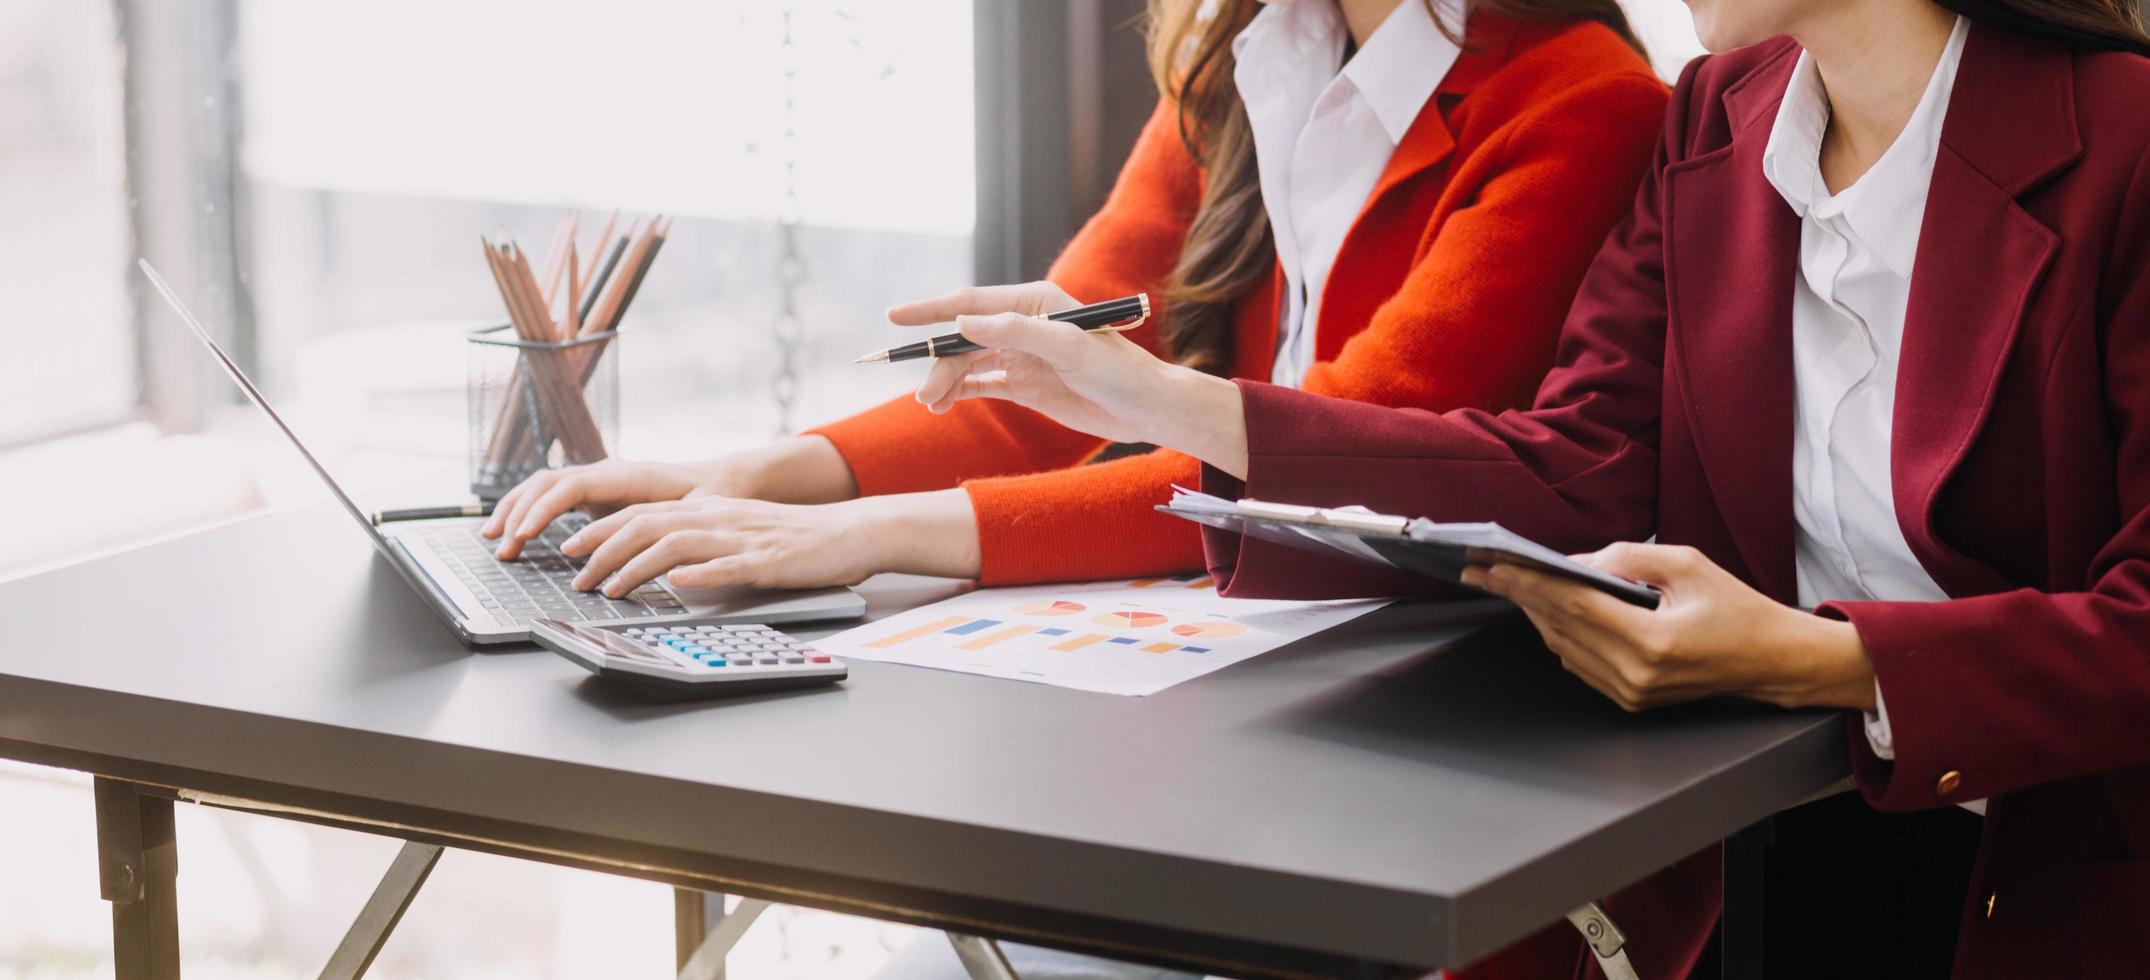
[{"x": 681, "y": 661}]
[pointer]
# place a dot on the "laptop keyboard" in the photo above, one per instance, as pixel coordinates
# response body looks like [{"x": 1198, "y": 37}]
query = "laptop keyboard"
[{"x": 536, "y": 586}]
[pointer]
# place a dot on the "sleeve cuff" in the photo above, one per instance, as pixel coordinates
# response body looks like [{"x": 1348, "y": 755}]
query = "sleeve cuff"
[{"x": 1879, "y": 736}]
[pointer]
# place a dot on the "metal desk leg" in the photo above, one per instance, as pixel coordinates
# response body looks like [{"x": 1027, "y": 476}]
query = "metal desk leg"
[
  {"x": 982, "y": 957},
  {"x": 1606, "y": 941},
  {"x": 707, "y": 961},
  {"x": 137, "y": 870},
  {"x": 369, "y": 932},
  {"x": 694, "y": 913},
  {"x": 1740, "y": 932}
]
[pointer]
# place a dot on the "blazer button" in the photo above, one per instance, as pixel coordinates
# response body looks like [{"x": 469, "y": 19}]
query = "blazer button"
[
  {"x": 1990, "y": 896},
  {"x": 1948, "y": 782}
]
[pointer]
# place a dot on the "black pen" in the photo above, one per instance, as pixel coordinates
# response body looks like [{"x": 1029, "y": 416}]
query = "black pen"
[
  {"x": 381, "y": 517},
  {"x": 1126, "y": 313}
]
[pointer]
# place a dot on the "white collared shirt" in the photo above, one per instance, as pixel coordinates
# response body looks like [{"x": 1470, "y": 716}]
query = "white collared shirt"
[
  {"x": 1324, "y": 133},
  {"x": 1856, "y": 252}
]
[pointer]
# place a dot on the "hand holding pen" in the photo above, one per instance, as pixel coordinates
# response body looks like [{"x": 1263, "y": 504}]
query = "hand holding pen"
[
  {"x": 1093, "y": 381},
  {"x": 1115, "y": 315}
]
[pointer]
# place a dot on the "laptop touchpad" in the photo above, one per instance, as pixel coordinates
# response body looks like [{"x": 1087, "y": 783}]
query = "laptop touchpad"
[{"x": 771, "y": 605}]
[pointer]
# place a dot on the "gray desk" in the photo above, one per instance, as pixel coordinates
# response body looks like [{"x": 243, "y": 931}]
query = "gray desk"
[{"x": 1363, "y": 800}]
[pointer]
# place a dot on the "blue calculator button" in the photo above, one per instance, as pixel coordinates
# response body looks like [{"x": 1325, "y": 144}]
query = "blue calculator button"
[
  {"x": 694, "y": 651},
  {"x": 713, "y": 662}
]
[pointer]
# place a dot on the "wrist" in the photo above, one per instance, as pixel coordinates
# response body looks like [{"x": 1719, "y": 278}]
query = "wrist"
[
  {"x": 1822, "y": 664},
  {"x": 1204, "y": 416},
  {"x": 799, "y": 470},
  {"x": 930, "y": 533}
]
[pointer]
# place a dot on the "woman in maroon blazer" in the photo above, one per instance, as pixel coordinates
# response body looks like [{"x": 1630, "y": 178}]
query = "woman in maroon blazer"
[{"x": 1871, "y": 360}]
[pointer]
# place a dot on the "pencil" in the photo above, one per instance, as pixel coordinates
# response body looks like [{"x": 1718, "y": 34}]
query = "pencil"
[
  {"x": 556, "y": 258},
  {"x": 634, "y": 285},
  {"x": 593, "y": 289},
  {"x": 573, "y": 317},
  {"x": 604, "y": 240},
  {"x": 616, "y": 290},
  {"x": 381, "y": 517}
]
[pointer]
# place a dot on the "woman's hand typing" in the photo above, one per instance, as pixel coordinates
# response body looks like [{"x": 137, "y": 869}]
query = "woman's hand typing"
[{"x": 803, "y": 470}]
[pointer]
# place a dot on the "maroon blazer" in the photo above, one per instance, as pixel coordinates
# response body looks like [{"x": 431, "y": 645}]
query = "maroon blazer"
[{"x": 2021, "y": 460}]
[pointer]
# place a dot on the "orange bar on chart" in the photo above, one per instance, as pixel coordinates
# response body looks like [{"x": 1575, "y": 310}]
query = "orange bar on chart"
[
  {"x": 1202, "y": 583},
  {"x": 1162, "y": 647},
  {"x": 995, "y": 637},
  {"x": 1079, "y": 642},
  {"x": 1144, "y": 583},
  {"x": 915, "y": 632}
]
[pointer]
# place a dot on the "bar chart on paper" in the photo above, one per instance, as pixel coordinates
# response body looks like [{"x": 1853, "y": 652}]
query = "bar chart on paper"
[{"x": 1126, "y": 637}]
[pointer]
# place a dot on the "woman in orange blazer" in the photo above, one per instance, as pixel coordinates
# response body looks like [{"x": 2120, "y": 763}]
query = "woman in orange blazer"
[{"x": 1449, "y": 280}]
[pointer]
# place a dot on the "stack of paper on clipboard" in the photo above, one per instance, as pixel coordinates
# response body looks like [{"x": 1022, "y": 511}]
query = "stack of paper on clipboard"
[{"x": 1418, "y": 546}]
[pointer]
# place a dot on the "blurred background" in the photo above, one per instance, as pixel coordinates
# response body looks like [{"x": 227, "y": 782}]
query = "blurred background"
[{"x": 314, "y": 178}]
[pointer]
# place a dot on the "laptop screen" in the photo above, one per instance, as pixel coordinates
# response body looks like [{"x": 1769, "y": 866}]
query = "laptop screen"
[{"x": 253, "y": 394}]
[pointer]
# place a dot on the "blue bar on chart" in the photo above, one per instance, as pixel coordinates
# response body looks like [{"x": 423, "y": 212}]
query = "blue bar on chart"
[{"x": 974, "y": 626}]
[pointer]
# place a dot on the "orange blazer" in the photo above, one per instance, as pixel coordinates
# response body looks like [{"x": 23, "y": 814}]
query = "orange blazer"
[{"x": 1448, "y": 291}]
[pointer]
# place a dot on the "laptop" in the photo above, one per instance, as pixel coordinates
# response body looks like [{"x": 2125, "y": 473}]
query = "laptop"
[{"x": 487, "y": 601}]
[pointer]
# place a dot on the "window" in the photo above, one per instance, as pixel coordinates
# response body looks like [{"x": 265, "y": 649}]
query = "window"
[
  {"x": 818, "y": 157},
  {"x": 64, "y": 242}
]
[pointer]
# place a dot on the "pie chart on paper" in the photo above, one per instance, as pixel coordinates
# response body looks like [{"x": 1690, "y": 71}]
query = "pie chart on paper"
[
  {"x": 1129, "y": 620},
  {"x": 1050, "y": 607},
  {"x": 1211, "y": 631}
]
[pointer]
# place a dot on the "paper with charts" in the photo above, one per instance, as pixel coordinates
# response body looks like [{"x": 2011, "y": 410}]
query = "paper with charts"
[{"x": 1126, "y": 637}]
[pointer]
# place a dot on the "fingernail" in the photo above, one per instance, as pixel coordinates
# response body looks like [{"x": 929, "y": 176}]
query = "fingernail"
[
  {"x": 1473, "y": 576},
  {"x": 573, "y": 541}
]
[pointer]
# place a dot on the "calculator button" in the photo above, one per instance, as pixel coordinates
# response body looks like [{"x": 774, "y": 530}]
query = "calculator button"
[
  {"x": 817, "y": 658},
  {"x": 694, "y": 650},
  {"x": 793, "y": 658}
]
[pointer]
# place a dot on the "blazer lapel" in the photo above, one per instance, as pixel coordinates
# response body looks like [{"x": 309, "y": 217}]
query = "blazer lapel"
[
  {"x": 1488, "y": 43},
  {"x": 1980, "y": 260},
  {"x": 1732, "y": 250}
]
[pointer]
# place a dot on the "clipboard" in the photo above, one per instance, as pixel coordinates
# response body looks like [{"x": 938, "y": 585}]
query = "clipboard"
[{"x": 1416, "y": 546}]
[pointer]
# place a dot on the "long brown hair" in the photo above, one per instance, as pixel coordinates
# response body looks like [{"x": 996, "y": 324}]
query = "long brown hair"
[
  {"x": 1228, "y": 249},
  {"x": 2101, "y": 25}
]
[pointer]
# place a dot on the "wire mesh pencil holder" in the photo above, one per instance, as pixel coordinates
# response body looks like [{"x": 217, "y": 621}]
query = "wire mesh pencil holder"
[{"x": 538, "y": 404}]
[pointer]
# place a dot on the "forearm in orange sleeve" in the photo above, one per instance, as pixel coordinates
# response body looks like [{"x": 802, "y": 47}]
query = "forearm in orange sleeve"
[
  {"x": 899, "y": 447},
  {"x": 1089, "y": 522}
]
